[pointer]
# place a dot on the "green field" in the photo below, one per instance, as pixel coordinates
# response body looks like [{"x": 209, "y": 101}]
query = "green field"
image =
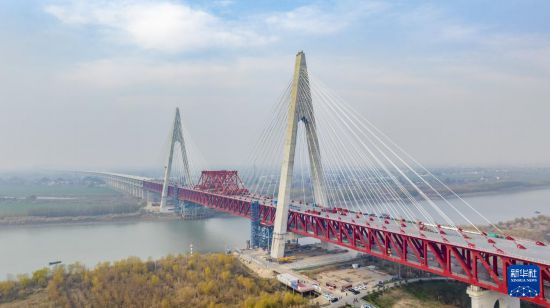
[
  {"x": 85, "y": 201},
  {"x": 69, "y": 190}
]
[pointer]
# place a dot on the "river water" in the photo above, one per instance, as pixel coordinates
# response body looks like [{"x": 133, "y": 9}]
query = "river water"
[{"x": 24, "y": 249}]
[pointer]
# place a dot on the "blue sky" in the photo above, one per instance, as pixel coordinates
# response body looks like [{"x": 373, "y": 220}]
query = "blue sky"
[{"x": 437, "y": 76}]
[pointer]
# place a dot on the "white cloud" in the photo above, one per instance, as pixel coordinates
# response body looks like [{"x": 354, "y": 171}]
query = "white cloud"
[
  {"x": 173, "y": 26},
  {"x": 428, "y": 21},
  {"x": 425, "y": 72},
  {"x": 162, "y": 26},
  {"x": 317, "y": 19}
]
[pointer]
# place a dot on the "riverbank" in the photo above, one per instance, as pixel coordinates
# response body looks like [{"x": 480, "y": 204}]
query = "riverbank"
[
  {"x": 109, "y": 218},
  {"x": 67, "y": 220},
  {"x": 535, "y": 228},
  {"x": 502, "y": 191}
]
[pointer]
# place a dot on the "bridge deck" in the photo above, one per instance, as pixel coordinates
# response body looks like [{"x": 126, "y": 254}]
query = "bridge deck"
[
  {"x": 471, "y": 257},
  {"x": 502, "y": 246}
]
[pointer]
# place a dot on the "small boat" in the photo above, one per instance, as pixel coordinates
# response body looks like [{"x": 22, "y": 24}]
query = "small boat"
[{"x": 54, "y": 262}]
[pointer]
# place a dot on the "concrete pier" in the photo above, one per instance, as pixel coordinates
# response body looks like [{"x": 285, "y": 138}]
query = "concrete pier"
[{"x": 482, "y": 298}]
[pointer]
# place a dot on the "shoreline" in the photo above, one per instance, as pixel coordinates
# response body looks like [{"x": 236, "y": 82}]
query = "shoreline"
[
  {"x": 507, "y": 191},
  {"x": 16, "y": 221},
  {"x": 39, "y": 221}
]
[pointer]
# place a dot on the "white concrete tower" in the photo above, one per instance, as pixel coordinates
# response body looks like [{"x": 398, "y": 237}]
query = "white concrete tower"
[
  {"x": 299, "y": 109},
  {"x": 176, "y": 135}
]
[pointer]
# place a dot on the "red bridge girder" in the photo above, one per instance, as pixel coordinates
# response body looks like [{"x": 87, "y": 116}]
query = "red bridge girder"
[
  {"x": 235, "y": 205},
  {"x": 472, "y": 266},
  {"x": 480, "y": 268}
]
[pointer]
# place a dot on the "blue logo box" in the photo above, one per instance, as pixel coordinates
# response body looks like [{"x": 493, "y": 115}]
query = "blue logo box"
[{"x": 523, "y": 280}]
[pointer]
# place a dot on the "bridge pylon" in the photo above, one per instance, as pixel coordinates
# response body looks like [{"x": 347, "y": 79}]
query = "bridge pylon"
[
  {"x": 299, "y": 109},
  {"x": 176, "y": 136}
]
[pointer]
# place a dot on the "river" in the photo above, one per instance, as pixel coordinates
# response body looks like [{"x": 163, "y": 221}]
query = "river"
[{"x": 29, "y": 247}]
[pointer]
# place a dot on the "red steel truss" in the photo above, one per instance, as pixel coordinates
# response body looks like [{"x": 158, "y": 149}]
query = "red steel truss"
[
  {"x": 487, "y": 270},
  {"x": 235, "y": 205},
  {"x": 480, "y": 268},
  {"x": 221, "y": 182}
]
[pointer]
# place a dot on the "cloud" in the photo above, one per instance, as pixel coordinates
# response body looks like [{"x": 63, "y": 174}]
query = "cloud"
[
  {"x": 318, "y": 19},
  {"x": 161, "y": 26},
  {"x": 176, "y": 27},
  {"x": 426, "y": 71}
]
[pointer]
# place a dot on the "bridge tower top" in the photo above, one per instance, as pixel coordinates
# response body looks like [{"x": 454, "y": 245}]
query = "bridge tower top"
[{"x": 176, "y": 136}]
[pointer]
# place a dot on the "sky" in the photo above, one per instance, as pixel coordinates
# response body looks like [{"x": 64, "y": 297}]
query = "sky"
[{"x": 94, "y": 84}]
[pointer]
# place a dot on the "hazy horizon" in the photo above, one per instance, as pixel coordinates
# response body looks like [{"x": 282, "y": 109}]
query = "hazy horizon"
[{"x": 94, "y": 85}]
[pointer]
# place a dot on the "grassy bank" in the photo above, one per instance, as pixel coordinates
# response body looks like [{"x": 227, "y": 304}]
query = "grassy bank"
[
  {"x": 60, "y": 190},
  {"x": 68, "y": 200}
]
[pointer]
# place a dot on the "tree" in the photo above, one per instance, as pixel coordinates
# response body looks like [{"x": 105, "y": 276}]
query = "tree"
[{"x": 213, "y": 280}]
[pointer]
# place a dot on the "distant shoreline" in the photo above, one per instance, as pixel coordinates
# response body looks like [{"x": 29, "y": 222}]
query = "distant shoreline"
[
  {"x": 513, "y": 190},
  {"x": 15, "y": 221}
]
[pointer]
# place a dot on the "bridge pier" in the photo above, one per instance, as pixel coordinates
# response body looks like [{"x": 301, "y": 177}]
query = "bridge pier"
[
  {"x": 191, "y": 211},
  {"x": 150, "y": 198},
  {"x": 482, "y": 298}
]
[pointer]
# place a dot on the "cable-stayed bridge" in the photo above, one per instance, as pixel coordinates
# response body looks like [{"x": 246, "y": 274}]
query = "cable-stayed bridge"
[{"x": 321, "y": 170}]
